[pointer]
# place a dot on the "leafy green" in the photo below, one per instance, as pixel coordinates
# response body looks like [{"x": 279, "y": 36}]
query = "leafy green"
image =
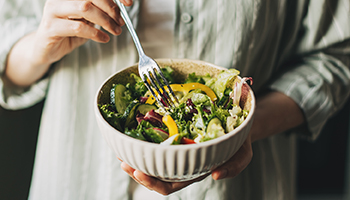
[
  {"x": 221, "y": 114},
  {"x": 210, "y": 83},
  {"x": 140, "y": 87},
  {"x": 137, "y": 89},
  {"x": 224, "y": 80},
  {"x": 241, "y": 117},
  {"x": 180, "y": 115},
  {"x": 193, "y": 78},
  {"x": 199, "y": 122},
  {"x": 120, "y": 97},
  {"x": 128, "y": 95},
  {"x": 200, "y": 99},
  {"x": 145, "y": 131},
  {"x": 184, "y": 130},
  {"x": 113, "y": 118},
  {"x": 196, "y": 116},
  {"x": 139, "y": 132},
  {"x": 168, "y": 74},
  {"x": 179, "y": 112},
  {"x": 245, "y": 113},
  {"x": 152, "y": 135},
  {"x": 135, "y": 133}
]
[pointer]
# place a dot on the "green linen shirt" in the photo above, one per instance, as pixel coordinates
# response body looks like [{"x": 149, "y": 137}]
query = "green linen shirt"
[{"x": 298, "y": 47}]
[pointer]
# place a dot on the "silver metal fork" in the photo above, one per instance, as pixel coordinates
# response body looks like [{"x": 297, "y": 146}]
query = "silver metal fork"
[{"x": 148, "y": 68}]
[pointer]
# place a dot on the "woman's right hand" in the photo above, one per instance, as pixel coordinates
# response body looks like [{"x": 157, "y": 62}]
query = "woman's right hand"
[{"x": 65, "y": 25}]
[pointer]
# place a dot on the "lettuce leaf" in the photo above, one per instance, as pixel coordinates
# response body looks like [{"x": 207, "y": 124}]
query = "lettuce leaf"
[
  {"x": 224, "y": 80},
  {"x": 193, "y": 78}
]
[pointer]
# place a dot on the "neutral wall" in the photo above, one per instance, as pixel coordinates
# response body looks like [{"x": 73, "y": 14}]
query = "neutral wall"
[{"x": 18, "y": 136}]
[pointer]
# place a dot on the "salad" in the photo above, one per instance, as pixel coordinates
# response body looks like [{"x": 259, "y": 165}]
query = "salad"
[{"x": 209, "y": 107}]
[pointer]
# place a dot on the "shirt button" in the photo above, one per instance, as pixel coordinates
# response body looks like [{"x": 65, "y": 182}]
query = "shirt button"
[{"x": 186, "y": 18}]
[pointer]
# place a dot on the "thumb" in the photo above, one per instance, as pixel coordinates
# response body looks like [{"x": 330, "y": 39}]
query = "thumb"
[{"x": 236, "y": 164}]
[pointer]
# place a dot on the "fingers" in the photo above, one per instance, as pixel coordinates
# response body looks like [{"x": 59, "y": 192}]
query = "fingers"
[
  {"x": 129, "y": 170},
  {"x": 126, "y": 2},
  {"x": 77, "y": 28},
  {"x": 88, "y": 11},
  {"x": 162, "y": 187},
  {"x": 230, "y": 169},
  {"x": 236, "y": 164},
  {"x": 74, "y": 19},
  {"x": 110, "y": 8}
]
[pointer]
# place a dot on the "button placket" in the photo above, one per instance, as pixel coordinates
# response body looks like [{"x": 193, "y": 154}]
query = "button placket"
[{"x": 184, "y": 28}]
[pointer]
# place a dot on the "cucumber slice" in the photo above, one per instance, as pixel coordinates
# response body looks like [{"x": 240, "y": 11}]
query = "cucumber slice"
[
  {"x": 161, "y": 133},
  {"x": 119, "y": 98},
  {"x": 155, "y": 135},
  {"x": 144, "y": 108},
  {"x": 130, "y": 114}
]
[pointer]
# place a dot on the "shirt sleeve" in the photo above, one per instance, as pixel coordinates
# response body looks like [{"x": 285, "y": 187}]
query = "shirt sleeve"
[
  {"x": 17, "y": 19},
  {"x": 319, "y": 79}
]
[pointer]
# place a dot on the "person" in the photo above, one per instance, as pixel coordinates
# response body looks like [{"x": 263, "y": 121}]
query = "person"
[{"x": 297, "y": 52}]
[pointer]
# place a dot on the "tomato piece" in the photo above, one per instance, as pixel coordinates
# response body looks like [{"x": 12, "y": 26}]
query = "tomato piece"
[{"x": 185, "y": 140}]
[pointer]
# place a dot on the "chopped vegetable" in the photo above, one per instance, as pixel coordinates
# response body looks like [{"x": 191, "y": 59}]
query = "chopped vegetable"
[
  {"x": 139, "y": 89},
  {"x": 170, "y": 123},
  {"x": 168, "y": 74},
  {"x": 121, "y": 97},
  {"x": 185, "y": 140},
  {"x": 224, "y": 80},
  {"x": 112, "y": 118},
  {"x": 184, "y": 89},
  {"x": 130, "y": 114},
  {"x": 193, "y": 78},
  {"x": 155, "y": 135},
  {"x": 208, "y": 108}
]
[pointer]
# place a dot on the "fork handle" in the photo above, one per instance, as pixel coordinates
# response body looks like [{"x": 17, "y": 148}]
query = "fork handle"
[{"x": 130, "y": 27}]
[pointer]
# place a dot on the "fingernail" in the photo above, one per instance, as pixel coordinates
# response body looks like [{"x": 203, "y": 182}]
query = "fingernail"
[
  {"x": 123, "y": 166},
  {"x": 223, "y": 174},
  {"x": 128, "y": 2},
  {"x": 135, "y": 176},
  {"x": 118, "y": 30},
  {"x": 105, "y": 38},
  {"x": 121, "y": 21}
]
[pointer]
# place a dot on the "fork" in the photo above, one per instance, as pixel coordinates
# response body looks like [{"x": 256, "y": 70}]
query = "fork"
[{"x": 148, "y": 68}]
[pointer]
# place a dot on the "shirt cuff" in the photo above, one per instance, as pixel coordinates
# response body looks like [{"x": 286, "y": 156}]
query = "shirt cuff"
[
  {"x": 319, "y": 86},
  {"x": 13, "y": 97}
]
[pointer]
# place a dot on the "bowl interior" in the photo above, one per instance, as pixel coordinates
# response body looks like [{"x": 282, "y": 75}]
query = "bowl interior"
[{"x": 182, "y": 67}]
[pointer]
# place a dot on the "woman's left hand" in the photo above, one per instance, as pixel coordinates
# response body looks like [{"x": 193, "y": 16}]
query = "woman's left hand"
[{"x": 230, "y": 169}]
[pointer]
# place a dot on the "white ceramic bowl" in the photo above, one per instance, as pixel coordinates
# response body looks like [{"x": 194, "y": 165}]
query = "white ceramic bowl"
[{"x": 174, "y": 162}]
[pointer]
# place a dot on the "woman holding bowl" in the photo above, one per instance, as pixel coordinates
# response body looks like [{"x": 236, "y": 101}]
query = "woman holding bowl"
[{"x": 297, "y": 52}]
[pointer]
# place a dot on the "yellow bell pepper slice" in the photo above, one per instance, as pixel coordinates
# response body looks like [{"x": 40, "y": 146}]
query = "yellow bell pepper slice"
[
  {"x": 186, "y": 88},
  {"x": 170, "y": 123}
]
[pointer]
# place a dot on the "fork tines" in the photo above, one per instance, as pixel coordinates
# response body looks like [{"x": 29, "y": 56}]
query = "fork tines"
[{"x": 163, "y": 95}]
